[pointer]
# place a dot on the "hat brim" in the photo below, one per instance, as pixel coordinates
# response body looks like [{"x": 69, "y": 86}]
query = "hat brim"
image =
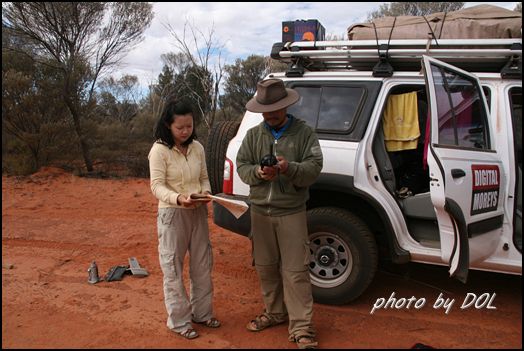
[{"x": 292, "y": 96}]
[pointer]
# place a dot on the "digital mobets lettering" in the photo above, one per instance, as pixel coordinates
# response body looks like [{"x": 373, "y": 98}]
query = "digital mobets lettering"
[{"x": 486, "y": 187}]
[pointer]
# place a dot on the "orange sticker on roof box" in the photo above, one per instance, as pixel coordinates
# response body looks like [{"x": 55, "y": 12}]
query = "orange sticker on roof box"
[{"x": 486, "y": 188}]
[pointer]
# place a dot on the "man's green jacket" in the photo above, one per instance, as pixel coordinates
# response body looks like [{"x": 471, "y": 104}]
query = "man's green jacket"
[{"x": 299, "y": 146}]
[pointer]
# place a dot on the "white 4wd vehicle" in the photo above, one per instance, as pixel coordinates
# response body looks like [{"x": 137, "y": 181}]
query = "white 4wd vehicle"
[{"x": 463, "y": 210}]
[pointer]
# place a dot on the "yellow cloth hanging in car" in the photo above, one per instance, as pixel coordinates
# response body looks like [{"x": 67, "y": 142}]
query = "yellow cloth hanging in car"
[{"x": 400, "y": 122}]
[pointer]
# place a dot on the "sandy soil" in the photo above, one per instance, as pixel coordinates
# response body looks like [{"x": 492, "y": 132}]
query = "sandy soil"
[{"x": 54, "y": 224}]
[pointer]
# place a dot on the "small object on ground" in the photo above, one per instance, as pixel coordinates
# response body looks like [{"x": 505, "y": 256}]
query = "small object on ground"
[
  {"x": 7, "y": 265},
  {"x": 135, "y": 268},
  {"x": 93, "y": 274},
  {"x": 116, "y": 273}
]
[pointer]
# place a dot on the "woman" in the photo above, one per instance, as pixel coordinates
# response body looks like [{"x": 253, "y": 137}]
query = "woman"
[{"x": 178, "y": 169}]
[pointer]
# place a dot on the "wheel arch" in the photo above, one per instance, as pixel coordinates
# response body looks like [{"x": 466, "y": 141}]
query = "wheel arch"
[{"x": 339, "y": 191}]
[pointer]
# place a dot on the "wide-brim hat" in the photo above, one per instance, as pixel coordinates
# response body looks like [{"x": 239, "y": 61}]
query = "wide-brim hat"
[{"x": 272, "y": 95}]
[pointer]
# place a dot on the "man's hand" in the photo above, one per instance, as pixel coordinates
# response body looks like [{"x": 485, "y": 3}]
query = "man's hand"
[{"x": 270, "y": 173}]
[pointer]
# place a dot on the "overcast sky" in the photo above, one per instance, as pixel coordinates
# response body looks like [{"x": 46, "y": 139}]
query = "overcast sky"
[{"x": 244, "y": 28}]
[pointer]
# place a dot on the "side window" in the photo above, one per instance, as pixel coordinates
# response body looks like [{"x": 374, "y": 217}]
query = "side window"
[
  {"x": 307, "y": 107},
  {"x": 329, "y": 108},
  {"x": 461, "y": 112}
]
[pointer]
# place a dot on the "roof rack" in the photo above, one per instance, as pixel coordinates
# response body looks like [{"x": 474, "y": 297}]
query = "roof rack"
[{"x": 383, "y": 57}]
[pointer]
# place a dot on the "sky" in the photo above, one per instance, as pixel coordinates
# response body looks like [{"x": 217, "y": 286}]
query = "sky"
[{"x": 244, "y": 28}]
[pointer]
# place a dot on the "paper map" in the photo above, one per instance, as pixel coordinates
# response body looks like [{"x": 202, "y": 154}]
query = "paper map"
[{"x": 237, "y": 208}]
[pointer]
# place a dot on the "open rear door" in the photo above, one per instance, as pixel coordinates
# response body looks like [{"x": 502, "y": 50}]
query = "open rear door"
[{"x": 467, "y": 175}]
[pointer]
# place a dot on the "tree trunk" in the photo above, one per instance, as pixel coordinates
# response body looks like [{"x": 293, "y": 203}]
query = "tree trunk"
[{"x": 78, "y": 129}]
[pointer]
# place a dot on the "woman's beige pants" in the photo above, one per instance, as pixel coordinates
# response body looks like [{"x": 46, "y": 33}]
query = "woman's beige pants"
[{"x": 181, "y": 231}]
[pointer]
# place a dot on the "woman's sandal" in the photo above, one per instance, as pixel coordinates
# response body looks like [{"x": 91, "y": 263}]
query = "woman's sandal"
[
  {"x": 211, "y": 323},
  {"x": 306, "y": 345},
  {"x": 189, "y": 334},
  {"x": 262, "y": 324}
]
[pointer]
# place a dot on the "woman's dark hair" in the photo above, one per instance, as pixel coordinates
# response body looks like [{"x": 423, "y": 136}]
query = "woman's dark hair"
[{"x": 162, "y": 133}]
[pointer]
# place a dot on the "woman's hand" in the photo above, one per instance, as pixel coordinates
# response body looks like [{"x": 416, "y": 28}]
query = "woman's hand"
[
  {"x": 185, "y": 200},
  {"x": 208, "y": 199},
  {"x": 189, "y": 200}
]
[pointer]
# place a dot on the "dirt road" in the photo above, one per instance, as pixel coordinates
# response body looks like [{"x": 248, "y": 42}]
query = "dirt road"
[{"x": 54, "y": 224}]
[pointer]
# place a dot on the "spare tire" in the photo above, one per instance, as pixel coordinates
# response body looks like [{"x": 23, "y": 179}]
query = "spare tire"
[{"x": 217, "y": 142}]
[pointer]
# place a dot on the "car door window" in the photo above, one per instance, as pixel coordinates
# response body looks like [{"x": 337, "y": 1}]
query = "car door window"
[{"x": 461, "y": 112}]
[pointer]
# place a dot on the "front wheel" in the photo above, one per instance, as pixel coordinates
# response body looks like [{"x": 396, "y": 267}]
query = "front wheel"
[{"x": 343, "y": 255}]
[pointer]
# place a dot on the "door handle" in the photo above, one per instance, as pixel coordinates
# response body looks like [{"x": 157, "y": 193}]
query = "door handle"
[{"x": 457, "y": 173}]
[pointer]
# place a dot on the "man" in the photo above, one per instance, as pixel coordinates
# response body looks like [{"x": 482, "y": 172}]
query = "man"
[{"x": 278, "y": 196}]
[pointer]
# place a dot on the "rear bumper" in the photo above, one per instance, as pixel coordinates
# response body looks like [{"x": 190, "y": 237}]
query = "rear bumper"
[{"x": 223, "y": 218}]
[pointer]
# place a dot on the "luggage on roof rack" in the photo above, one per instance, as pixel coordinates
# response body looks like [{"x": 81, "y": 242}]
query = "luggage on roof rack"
[
  {"x": 476, "y": 22},
  {"x": 476, "y": 55}
]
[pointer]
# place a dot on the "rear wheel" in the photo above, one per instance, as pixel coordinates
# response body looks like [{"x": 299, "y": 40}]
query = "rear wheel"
[
  {"x": 343, "y": 255},
  {"x": 217, "y": 142}
]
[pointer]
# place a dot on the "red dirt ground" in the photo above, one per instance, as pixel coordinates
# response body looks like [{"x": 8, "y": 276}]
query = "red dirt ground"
[{"x": 54, "y": 224}]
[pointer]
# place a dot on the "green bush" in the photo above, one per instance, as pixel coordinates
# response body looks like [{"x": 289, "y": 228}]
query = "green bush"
[{"x": 17, "y": 158}]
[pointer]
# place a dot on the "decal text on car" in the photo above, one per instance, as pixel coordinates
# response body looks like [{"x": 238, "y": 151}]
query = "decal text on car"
[{"x": 486, "y": 186}]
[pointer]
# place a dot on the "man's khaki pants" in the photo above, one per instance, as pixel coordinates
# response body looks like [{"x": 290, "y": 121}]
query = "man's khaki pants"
[
  {"x": 281, "y": 246},
  {"x": 181, "y": 231}
]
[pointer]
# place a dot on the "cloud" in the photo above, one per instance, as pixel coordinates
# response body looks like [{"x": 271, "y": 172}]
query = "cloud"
[{"x": 244, "y": 28}]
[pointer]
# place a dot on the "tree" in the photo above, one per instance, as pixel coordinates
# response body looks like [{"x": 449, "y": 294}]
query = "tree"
[
  {"x": 73, "y": 32},
  {"x": 165, "y": 87},
  {"x": 184, "y": 83},
  {"x": 209, "y": 78},
  {"x": 124, "y": 130},
  {"x": 33, "y": 120},
  {"x": 117, "y": 98},
  {"x": 413, "y": 9},
  {"x": 174, "y": 64},
  {"x": 241, "y": 83},
  {"x": 189, "y": 86},
  {"x": 518, "y": 8},
  {"x": 36, "y": 128}
]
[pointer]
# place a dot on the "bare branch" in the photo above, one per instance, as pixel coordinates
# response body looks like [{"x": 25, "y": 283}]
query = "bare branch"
[{"x": 199, "y": 58}]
